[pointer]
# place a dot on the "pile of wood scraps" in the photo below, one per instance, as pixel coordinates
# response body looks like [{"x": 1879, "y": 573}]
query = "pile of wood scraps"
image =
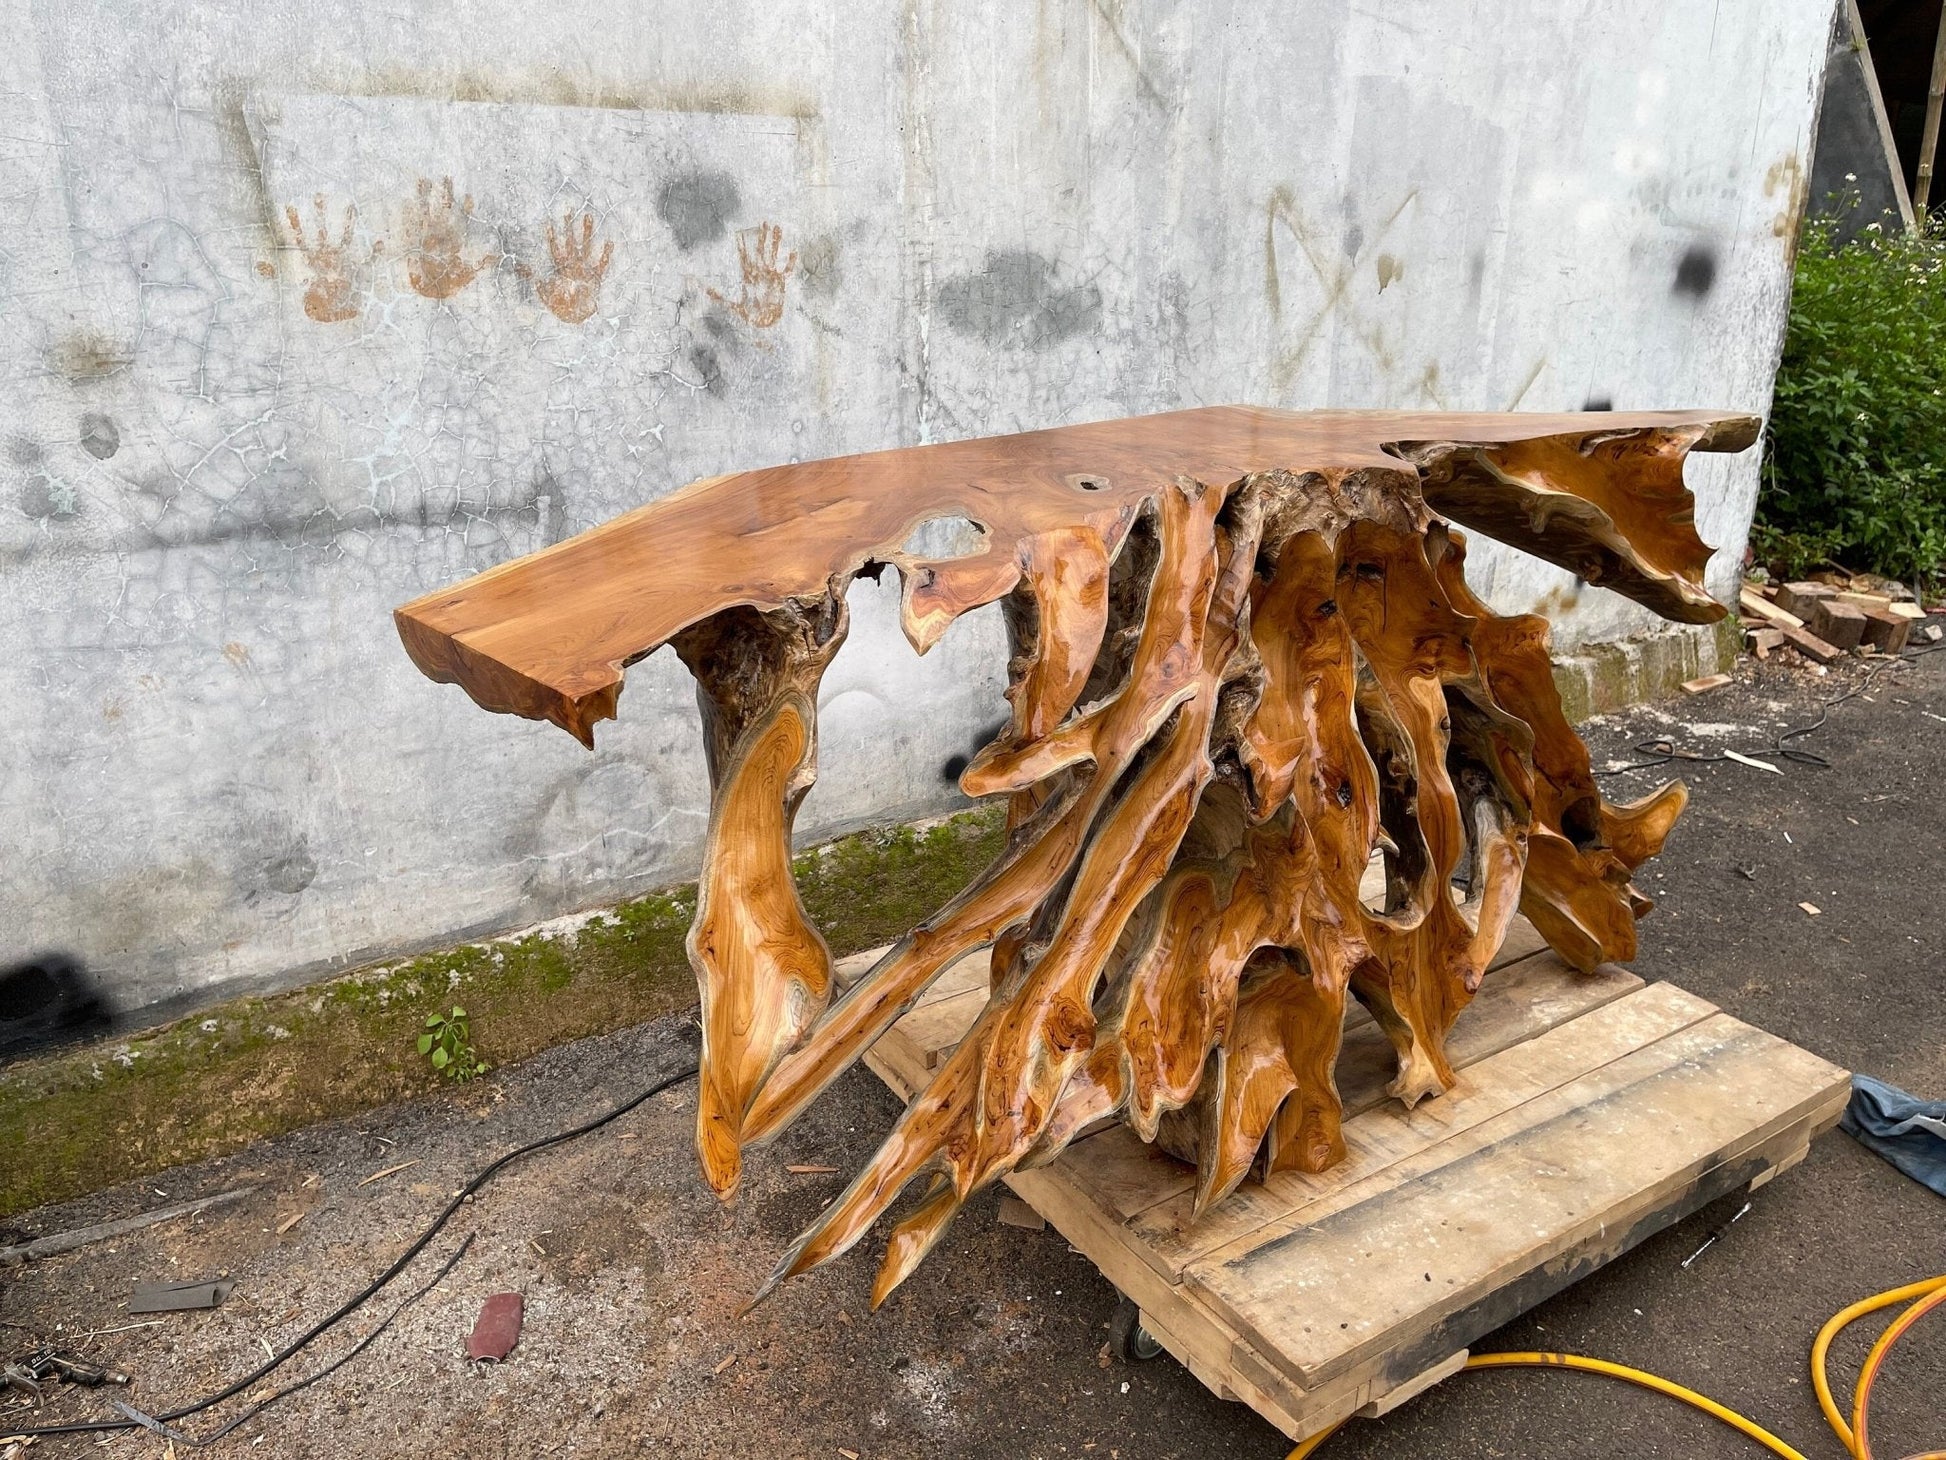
[{"x": 1825, "y": 621}]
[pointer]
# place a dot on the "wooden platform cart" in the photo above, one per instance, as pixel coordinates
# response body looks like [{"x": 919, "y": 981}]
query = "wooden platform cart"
[{"x": 1591, "y": 1112}]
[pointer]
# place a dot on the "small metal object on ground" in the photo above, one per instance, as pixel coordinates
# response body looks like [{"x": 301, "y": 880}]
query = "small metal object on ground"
[
  {"x": 498, "y": 1327},
  {"x": 1600, "y": 1108},
  {"x": 1715, "y": 1236},
  {"x": 177, "y": 1297}
]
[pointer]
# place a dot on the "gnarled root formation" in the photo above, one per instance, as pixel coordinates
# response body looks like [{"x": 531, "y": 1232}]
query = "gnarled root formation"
[{"x": 1225, "y": 703}]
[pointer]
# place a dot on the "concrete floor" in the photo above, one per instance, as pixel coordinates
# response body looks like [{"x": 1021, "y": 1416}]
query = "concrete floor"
[{"x": 996, "y": 1348}]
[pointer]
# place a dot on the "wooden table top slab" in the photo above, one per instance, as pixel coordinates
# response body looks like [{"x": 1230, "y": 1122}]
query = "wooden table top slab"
[{"x": 548, "y": 636}]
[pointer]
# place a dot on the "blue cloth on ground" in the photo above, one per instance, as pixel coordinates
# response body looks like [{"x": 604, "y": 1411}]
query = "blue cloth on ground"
[{"x": 1905, "y": 1130}]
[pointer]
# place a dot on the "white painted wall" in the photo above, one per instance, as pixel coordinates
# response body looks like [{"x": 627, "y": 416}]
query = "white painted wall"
[{"x": 220, "y": 767}]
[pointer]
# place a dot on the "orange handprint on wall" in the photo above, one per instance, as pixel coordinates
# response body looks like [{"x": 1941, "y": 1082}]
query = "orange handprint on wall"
[
  {"x": 436, "y": 230},
  {"x": 332, "y": 293},
  {"x": 572, "y": 290},
  {"x": 762, "y": 302}
]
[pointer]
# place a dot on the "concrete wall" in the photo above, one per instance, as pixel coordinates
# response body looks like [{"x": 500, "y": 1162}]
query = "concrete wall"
[{"x": 263, "y": 381}]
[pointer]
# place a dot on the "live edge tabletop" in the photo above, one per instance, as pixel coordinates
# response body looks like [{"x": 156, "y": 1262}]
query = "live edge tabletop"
[{"x": 548, "y": 636}]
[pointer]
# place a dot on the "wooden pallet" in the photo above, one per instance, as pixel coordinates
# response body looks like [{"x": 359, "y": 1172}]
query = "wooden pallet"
[{"x": 1591, "y": 1112}]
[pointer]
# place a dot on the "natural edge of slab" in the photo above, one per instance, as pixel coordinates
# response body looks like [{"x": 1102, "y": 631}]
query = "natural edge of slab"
[{"x": 624, "y": 585}]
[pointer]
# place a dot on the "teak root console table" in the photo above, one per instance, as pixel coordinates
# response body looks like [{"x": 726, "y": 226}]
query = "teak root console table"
[{"x": 1246, "y": 672}]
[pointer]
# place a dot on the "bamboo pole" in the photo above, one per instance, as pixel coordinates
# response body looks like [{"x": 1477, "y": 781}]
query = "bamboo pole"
[{"x": 1929, "y": 139}]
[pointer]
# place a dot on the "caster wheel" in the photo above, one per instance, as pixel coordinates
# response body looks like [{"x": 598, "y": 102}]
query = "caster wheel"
[{"x": 1128, "y": 1340}]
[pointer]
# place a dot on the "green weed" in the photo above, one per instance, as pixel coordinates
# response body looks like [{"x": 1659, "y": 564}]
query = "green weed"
[{"x": 448, "y": 1044}]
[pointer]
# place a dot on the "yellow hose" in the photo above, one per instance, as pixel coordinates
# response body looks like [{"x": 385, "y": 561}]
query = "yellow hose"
[
  {"x": 1868, "y": 1375},
  {"x": 1648, "y": 1381},
  {"x": 1929, "y": 1295},
  {"x": 1843, "y": 1318}
]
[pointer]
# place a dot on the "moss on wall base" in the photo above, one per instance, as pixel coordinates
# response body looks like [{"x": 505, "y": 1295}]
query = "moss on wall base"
[{"x": 81, "y": 1119}]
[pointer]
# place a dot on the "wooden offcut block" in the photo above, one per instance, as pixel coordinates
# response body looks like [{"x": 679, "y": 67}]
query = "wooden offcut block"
[
  {"x": 1886, "y": 631},
  {"x": 1838, "y": 624},
  {"x": 1801, "y": 598}
]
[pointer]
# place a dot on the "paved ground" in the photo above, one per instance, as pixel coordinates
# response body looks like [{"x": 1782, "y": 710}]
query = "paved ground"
[{"x": 634, "y": 1277}]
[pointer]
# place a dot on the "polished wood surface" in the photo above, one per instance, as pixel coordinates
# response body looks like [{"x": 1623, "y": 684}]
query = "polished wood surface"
[
  {"x": 549, "y": 635},
  {"x": 1245, "y": 661}
]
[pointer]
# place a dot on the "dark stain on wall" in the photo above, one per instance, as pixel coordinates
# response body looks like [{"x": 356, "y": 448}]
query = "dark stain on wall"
[
  {"x": 1016, "y": 298},
  {"x": 709, "y": 370},
  {"x": 100, "y": 437},
  {"x": 1598, "y": 403},
  {"x": 698, "y": 207},
  {"x": 1695, "y": 272},
  {"x": 287, "y": 507},
  {"x": 39, "y": 500},
  {"x": 272, "y": 856},
  {"x": 819, "y": 266},
  {"x": 83, "y": 355},
  {"x": 292, "y": 872},
  {"x": 42, "y": 495}
]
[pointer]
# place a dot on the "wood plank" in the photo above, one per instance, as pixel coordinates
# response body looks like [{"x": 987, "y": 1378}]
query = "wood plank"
[
  {"x": 1389, "y": 1367},
  {"x": 1754, "y": 603},
  {"x": 1390, "y": 1134},
  {"x": 968, "y": 971},
  {"x": 1791, "y": 627},
  {"x": 1515, "y": 1003},
  {"x": 897, "y": 1063},
  {"x": 1414, "y": 1387},
  {"x": 935, "y": 1026},
  {"x": 1122, "y": 1174},
  {"x": 1112, "y": 1172},
  {"x": 1349, "y": 1278},
  {"x": 1527, "y": 992}
]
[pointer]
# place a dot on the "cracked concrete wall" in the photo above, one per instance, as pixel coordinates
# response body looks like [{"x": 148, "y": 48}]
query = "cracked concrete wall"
[{"x": 308, "y": 310}]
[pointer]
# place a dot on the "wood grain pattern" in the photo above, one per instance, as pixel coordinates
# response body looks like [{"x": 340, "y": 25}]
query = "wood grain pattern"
[
  {"x": 1244, "y": 661},
  {"x": 548, "y": 636}
]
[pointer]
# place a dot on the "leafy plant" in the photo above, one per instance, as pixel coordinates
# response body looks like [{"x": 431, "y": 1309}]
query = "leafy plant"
[
  {"x": 1856, "y": 465},
  {"x": 448, "y": 1043}
]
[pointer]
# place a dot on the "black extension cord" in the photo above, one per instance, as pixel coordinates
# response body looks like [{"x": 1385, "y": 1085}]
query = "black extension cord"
[
  {"x": 1663, "y": 752},
  {"x": 160, "y": 1423}
]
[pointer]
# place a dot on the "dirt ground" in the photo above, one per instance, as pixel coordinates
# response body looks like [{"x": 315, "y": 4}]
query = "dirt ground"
[{"x": 634, "y": 1277}]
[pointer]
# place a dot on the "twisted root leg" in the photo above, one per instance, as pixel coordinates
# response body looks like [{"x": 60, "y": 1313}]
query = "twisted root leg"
[
  {"x": 762, "y": 971},
  {"x": 1209, "y": 736}
]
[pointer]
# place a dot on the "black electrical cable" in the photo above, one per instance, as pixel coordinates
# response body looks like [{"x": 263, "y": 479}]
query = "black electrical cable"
[
  {"x": 1663, "y": 752},
  {"x": 168, "y": 1432},
  {"x": 323, "y": 1325}
]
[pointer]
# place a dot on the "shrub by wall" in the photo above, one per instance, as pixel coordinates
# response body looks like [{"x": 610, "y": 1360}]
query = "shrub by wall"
[{"x": 1856, "y": 467}]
